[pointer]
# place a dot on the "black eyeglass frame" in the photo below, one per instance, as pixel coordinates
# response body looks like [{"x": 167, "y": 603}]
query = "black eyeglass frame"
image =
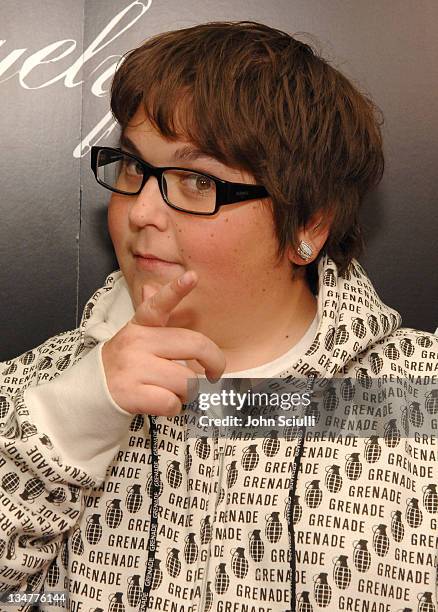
[{"x": 226, "y": 191}]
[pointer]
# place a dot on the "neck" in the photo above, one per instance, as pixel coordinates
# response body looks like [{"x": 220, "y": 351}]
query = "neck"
[{"x": 270, "y": 325}]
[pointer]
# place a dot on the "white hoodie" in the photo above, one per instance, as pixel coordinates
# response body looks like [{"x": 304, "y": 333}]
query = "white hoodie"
[{"x": 358, "y": 511}]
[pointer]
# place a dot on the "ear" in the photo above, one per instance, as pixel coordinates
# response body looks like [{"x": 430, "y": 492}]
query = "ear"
[{"x": 315, "y": 235}]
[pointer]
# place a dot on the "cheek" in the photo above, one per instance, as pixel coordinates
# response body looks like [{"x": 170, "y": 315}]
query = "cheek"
[{"x": 116, "y": 221}]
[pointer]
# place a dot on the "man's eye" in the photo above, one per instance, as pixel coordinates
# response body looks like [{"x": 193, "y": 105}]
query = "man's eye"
[
  {"x": 198, "y": 182},
  {"x": 132, "y": 167}
]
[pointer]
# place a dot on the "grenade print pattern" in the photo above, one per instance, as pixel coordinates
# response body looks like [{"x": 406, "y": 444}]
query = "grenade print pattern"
[{"x": 239, "y": 520}]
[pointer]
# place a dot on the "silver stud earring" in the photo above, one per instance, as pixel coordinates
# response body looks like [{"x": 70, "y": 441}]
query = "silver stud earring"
[{"x": 305, "y": 250}]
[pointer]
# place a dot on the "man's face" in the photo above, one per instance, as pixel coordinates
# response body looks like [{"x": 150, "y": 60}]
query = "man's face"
[{"x": 233, "y": 252}]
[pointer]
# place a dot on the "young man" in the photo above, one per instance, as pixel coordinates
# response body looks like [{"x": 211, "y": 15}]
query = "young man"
[{"x": 242, "y": 164}]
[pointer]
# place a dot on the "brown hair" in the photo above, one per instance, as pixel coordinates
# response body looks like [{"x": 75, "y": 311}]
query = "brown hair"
[{"x": 257, "y": 99}]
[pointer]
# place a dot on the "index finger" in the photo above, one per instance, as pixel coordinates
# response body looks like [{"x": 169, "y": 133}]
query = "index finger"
[{"x": 155, "y": 310}]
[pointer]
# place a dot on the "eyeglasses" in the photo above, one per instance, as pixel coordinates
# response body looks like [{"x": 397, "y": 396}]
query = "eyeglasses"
[{"x": 181, "y": 188}]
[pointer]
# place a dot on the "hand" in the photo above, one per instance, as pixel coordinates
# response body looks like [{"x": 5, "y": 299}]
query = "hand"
[{"x": 139, "y": 365}]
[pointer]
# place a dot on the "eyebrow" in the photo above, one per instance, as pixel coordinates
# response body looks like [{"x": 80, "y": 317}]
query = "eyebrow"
[{"x": 185, "y": 153}]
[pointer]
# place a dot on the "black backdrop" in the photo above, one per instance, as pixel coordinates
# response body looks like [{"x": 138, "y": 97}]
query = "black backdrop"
[{"x": 56, "y": 62}]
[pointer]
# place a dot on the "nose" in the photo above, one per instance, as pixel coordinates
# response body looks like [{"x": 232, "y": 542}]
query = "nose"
[{"x": 148, "y": 207}]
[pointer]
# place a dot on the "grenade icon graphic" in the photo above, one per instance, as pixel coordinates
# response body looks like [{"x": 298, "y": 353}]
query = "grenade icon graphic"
[
  {"x": 415, "y": 415},
  {"x": 424, "y": 341},
  {"x": 361, "y": 556},
  {"x": 33, "y": 582},
  {"x": 391, "y": 434},
  {"x": 64, "y": 555},
  {"x": 329, "y": 341},
  {"x": 359, "y": 328},
  {"x": 222, "y": 580},
  {"x": 363, "y": 378},
  {"x": 10, "y": 554},
  {"x": 313, "y": 495},
  {"x": 397, "y": 527},
  {"x": 333, "y": 479},
  {"x": 137, "y": 423},
  {"x": 315, "y": 345},
  {"x": 208, "y": 598},
  {"x": 256, "y": 546},
  {"x": 239, "y": 563},
  {"x": 274, "y": 528},
  {"x": 250, "y": 457},
  {"x": 347, "y": 390},
  {"x": 57, "y": 496},
  {"x": 173, "y": 474},
  {"x": 405, "y": 420},
  {"x": 312, "y": 411},
  {"x": 385, "y": 326},
  {"x": 287, "y": 509},
  {"x": 206, "y": 530},
  {"x": 331, "y": 400},
  {"x": 134, "y": 499},
  {"x": 134, "y": 590},
  {"x": 342, "y": 335},
  {"x": 76, "y": 542},
  {"x": 353, "y": 467},
  {"x": 4, "y": 406},
  {"x": 27, "y": 431},
  {"x": 341, "y": 572},
  {"x": 190, "y": 549},
  {"x": 425, "y": 603},
  {"x": 407, "y": 347},
  {"x": 392, "y": 352},
  {"x": 373, "y": 450},
  {"x": 10, "y": 482},
  {"x": 32, "y": 489},
  {"x": 376, "y": 363},
  {"x": 304, "y": 604},
  {"x": 290, "y": 432},
  {"x": 187, "y": 459},
  {"x": 173, "y": 563},
  {"x": 380, "y": 540},
  {"x": 322, "y": 590},
  {"x": 373, "y": 324},
  {"x": 430, "y": 498},
  {"x": 63, "y": 362},
  {"x": 157, "y": 575},
  {"x": 297, "y": 510},
  {"x": 2, "y": 547},
  {"x": 149, "y": 484},
  {"x": 329, "y": 279},
  {"x": 27, "y": 358},
  {"x": 44, "y": 439},
  {"x": 45, "y": 363},
  {"x": 116, "y": 603},
  {"x": 74, "y": 492},
  {"x": 202, "y": 448},
  {"x": 10, "y": 370},
  {"x": 113, "y": 514},
  {"x": 414, "y": 516},
  {"x": 432, "y": 402},
  {"x": 53, "y": 574},
  {"x": 93, "y": 530},
  {"x": 271, "y": 444}
]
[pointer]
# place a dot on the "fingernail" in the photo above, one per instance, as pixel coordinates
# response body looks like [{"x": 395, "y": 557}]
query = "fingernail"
[{"x": 186, "y": 279}]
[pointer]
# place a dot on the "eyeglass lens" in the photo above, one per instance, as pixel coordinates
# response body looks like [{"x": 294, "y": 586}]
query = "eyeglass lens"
[{"x": 185, "y": 189}]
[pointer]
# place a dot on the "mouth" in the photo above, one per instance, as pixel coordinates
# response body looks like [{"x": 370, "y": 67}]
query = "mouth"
[{"x": 148, "y": 260}]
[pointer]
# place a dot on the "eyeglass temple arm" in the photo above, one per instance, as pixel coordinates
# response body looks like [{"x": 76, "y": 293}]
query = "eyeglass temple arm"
[{"x": 232, "y": 193}]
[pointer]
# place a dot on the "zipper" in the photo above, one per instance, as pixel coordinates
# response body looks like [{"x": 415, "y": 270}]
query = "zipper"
[{"x": 213, "y": 523}]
